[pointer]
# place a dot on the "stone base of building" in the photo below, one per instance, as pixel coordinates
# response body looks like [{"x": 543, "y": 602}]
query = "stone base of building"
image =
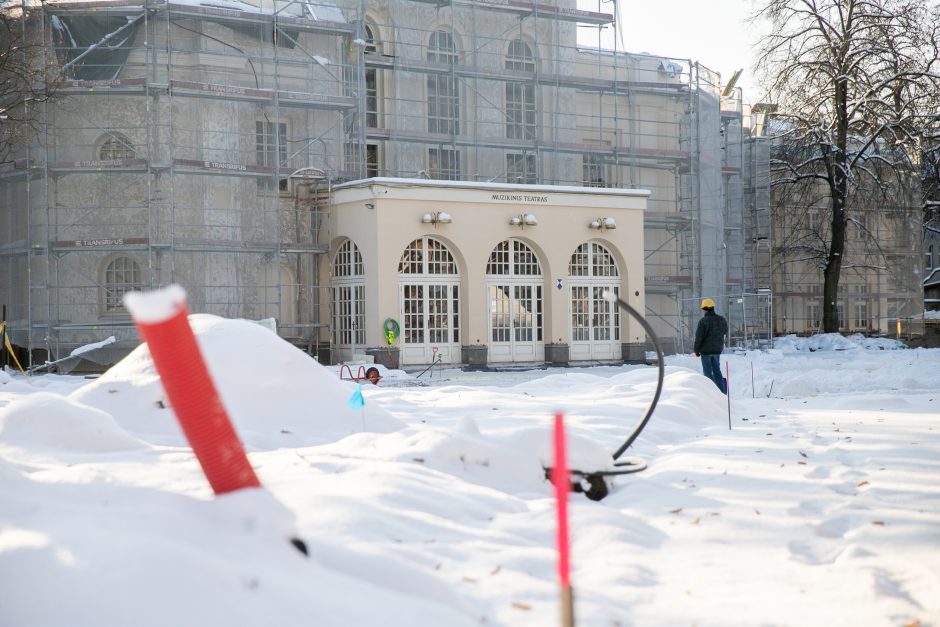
[
  {"x": 474, "y": 355},
  {"x": 633, "y": 353},
  {"x": 556, "y": 354},
  {"x": 388, "y": 356}
]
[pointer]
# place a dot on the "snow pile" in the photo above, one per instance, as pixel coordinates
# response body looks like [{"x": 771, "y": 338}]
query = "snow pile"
[
  {"x": 835, "y": 342},
  {"x": 428, "y": 506},
  {"x": 291, "y": 399}
]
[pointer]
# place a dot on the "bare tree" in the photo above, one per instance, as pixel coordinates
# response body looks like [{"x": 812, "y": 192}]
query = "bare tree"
[
  {"x": 25, "y": 79},
  {"x": 854, "y": 84}
]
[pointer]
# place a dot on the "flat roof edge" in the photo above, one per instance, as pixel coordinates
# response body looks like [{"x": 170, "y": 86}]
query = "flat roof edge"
[{"x": 566, "y": 189}]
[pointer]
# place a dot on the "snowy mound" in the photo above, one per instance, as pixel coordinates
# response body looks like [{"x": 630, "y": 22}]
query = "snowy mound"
[
  {"x": 51, "y": 422},
  {"x": 834, "y": 342},
  {"x": 510, "y": 455},
  {"x": 510, "y": 461},
  {"x": 449, "y": 520},
  {"x": 275, "y": 394}
]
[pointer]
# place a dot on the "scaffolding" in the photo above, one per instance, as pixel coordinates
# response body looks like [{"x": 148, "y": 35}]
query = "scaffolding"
[
  {"x": 182, "y": 146},
  {"x": 198, "y": 142}
]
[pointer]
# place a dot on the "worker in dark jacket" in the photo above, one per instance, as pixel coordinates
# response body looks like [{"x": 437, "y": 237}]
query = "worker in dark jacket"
[{"x": 710, "y": 341}]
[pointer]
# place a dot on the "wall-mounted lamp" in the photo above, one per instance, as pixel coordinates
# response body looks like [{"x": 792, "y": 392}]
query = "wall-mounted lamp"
[
  {"x": 436, "y": 217},
  {"x": 523, "y": 220},
  {"x": 370, "y": 205},
  {"x": 603, "y": 224}
]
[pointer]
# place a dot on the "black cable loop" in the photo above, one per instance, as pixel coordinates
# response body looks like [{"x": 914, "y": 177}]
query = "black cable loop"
[{"x": 659, "y": 360}]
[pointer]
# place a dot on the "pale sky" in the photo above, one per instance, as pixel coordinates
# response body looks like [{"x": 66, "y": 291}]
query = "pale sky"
[{"x": 714, "y": 33}]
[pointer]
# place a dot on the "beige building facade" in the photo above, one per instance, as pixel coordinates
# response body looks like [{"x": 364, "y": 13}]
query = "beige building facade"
[{"x": 484, "y": 273}]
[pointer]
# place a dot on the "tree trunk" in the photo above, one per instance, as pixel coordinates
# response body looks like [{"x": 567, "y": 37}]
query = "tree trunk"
[
  {"x": 838, "y": 175},
  {"x": 830, "y": 321}
]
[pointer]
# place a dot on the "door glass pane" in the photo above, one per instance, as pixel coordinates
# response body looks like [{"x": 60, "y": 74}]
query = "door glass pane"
[
  {"x": 413, "y": 308},
  {"x": 499, "y": 313},
  {"x": 601, "y": 314},
  {"x": 616, "y": 308},
  {"x": 523, "y": 320},
  {"x": 341, "y": 315},
  {"x": 455, "y": 313},
  {"x": 437, "y": 314},
  {"x": 359, "y": 314},
  {"x": 580, "y": 327},
  {"x": 538, "y": 313},
  {"x": 349, "y": 315}
]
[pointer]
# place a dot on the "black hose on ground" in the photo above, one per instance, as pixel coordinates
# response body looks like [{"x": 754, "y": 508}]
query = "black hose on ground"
[
  {"x": 593, "y": 483},
  {"x": 659, "y": 362}
]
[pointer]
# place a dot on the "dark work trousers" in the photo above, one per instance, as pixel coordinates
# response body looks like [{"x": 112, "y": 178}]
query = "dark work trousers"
[{"x": 711, "y": 367}]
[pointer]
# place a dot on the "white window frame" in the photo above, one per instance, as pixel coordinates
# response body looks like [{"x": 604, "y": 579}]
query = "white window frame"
[
  {"x": 594, "y": 323},
  {"x": 514, "y": 280},
  {"x": 348, "y": 298},
  {"x": 429, "y": 303}
]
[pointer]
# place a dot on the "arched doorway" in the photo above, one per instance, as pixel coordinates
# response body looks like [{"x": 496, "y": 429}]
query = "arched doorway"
[
  {"x": 595, "y": 321},
  {"x": 429, "y": 302},
  {"x": 349, "y": 310},
  {"x": 514, "y": 293}
]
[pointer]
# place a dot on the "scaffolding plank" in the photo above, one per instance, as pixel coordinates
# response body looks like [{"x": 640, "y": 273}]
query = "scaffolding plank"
[
  {"x": 319, "y": 101},
  {"x": 230, "y": 246},
  {"x": 210, "y": 167},
  {"x": 254, "y": 94},
  {"x": 98, "y": 166},
  {"x": 616, "y": 152},
  {"x": 102, "y": 243},
  {"x": 216, "y": 90},
  {"x": 611, "y": 86},
  {"x": 105, "y": 87}
]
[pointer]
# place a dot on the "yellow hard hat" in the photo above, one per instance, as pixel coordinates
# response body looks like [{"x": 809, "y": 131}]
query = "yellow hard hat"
[{"x": 708, "y": 303}]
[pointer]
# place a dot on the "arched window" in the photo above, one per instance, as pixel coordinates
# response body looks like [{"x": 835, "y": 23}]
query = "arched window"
[
  {"x": 520, "y": 95},
  {"x": 121, "y": 275},
  {"x": 115, "y": 146},
  {"x": 592, "y": 260},
  {"x": 427, "y": 256},
  {"x": 443, "y": 90},
  {"x": 348, "y": 261},
  {"x": 349, "y": 310}
]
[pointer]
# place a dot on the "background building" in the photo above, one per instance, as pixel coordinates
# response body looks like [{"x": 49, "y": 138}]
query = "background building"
[
  {"x": 881, "y": 281},
  {"x": 202, "y": 143}
]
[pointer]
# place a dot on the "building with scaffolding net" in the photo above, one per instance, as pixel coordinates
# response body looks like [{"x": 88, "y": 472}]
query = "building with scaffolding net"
[{"x": 203, "y": 143}]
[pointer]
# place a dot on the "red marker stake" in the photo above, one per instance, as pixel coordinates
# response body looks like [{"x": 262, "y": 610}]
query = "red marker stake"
[
  {"x": 561, "y": 481},
  {"x": 161, "y": 318}
]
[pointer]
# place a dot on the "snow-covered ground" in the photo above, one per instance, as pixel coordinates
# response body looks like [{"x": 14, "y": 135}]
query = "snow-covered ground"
[{"x": 428, "y": 506}]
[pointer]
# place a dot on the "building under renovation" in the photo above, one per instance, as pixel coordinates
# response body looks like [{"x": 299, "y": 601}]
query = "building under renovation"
[{"x": 215, "y": 144}]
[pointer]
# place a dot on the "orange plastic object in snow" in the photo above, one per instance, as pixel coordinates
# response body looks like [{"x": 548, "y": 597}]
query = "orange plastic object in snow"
[{"x": 190, "y": 390}]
